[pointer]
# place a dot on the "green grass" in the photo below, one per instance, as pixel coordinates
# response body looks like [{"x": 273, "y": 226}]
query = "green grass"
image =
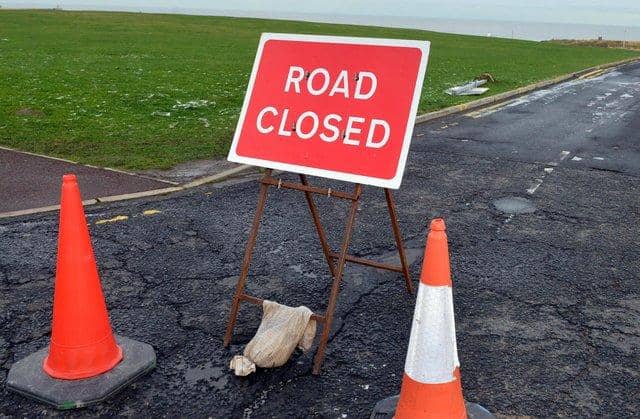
[{"x": 96, "y": 85}]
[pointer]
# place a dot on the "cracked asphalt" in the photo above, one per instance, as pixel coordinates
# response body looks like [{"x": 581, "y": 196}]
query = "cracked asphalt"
[{"x": 547, "y": 303}]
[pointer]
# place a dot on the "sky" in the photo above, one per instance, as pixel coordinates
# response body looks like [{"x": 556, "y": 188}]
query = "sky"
[
  {"x": 596, "y": 12},
  {"x": 624, "y": 13}
]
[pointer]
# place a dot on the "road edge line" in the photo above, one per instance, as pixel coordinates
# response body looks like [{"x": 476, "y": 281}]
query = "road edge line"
[
  {"x": 500, "y": 97},
  {"x": 31, "y": 211}
]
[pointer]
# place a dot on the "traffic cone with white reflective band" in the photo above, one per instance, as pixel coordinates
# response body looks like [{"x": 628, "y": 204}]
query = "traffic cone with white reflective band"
[{"x": 431, "y": 385}]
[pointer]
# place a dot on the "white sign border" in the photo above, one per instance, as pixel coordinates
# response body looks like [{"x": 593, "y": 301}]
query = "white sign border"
[{"x": 394, "y": 182}]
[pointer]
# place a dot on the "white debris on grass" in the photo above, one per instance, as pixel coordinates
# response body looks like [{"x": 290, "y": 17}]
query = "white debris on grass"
[
  {"x": 205, "y": 121},
  {"x": 192, "y": 104},
  {"x": 470, "y": 88},
  {"x": 160, "y": 113}
]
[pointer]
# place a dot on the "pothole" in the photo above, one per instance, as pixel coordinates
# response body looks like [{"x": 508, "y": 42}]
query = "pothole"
[{"x": 514, "y": 205}]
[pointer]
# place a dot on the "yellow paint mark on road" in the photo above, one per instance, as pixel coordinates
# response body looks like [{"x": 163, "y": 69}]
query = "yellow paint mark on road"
[
  {"x": 151, "y": 212},
  {"x": 113, "y": 220},
  {"x": 488, "y": 110}
]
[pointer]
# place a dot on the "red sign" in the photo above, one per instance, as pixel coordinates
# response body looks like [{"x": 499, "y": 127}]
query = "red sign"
[{"x": 342, "y": 108}]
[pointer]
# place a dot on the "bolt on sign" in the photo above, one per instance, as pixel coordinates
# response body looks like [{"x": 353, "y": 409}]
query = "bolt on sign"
[{"x": 335, "y": 107}]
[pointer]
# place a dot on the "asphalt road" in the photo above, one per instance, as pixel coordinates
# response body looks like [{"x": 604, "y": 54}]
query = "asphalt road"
[
  {"x": 547, "y": 303},
  {"x": 31, "y": 181}
]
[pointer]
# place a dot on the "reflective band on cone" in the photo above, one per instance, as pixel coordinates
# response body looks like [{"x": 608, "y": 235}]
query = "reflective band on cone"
[{"x": 432, "y": 355}]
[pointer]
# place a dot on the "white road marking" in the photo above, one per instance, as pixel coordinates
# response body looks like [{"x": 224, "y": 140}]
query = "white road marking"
[
  {"x": 576, "y": 158},
  {"x": 548, "y": 169},
  {"x": 535, "y": 187}
]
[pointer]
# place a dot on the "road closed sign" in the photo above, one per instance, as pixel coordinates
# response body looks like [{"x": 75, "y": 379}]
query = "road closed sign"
[{"x": 335, "y": 107}]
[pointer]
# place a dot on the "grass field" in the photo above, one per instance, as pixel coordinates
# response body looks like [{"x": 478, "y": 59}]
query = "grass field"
[{"x": 141, "y": 91}]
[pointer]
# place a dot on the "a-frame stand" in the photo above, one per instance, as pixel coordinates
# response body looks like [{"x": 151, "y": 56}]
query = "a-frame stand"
[{"x": 336, "y": 261}]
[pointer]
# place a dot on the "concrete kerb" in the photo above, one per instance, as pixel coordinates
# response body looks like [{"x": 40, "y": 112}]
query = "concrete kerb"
[
  {"x": 245, "y": 168},
  {"x": 500, "y": 97}
]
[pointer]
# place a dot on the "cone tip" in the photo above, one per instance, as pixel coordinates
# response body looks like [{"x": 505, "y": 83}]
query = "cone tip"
[
  {"x": 69, "y": 178},
  {"x": 437, "y": 224}
]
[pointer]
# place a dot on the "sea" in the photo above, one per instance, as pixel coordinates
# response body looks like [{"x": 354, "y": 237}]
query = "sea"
[{"x": 535, "y": 31}]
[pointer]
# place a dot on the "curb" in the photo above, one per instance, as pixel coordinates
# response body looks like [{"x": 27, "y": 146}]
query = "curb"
[
  {"x": 500, "y": 97},
  {"x": 452, "y": 110}
]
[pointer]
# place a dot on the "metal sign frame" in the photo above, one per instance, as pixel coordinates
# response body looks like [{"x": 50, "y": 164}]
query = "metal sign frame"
[{"x": 336, "y": 261}]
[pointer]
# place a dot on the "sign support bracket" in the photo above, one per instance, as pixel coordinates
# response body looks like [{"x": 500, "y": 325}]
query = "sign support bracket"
[{"x": 336, "y": 261}]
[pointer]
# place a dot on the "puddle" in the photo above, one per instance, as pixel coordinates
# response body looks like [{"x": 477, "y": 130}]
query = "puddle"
[
  {"x": 207, "y": 372},
  {"x": 393, "y": 257},
  {"x": 514, "y": 205}
]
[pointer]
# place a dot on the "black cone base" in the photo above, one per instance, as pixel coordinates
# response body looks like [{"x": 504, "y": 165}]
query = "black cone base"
[
  {"x": 387, "y": 408},
  {"x": 29, "y": 379}
]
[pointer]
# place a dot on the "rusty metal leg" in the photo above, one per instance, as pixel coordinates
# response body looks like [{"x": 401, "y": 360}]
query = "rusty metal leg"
[
  {"x": 248, "y": 253},
  {"x": 335, "y": 288},
  {"x": 391, "y": 205},
  {"x": 316, "y": 220}
]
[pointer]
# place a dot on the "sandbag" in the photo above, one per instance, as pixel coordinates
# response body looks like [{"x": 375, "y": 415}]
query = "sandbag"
[{"x": 281, "y": 330}]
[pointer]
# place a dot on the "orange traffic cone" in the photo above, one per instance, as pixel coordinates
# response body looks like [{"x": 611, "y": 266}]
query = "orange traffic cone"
[
  {"x": 82, "y": 342},
  {"x": 431, "y": 385},
  {"x": 84, "y": 363}
]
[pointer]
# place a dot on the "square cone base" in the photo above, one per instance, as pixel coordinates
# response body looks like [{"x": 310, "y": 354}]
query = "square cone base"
[
  {"x": 387, "y": 408},
  {"x": 29, "y": 379}
]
